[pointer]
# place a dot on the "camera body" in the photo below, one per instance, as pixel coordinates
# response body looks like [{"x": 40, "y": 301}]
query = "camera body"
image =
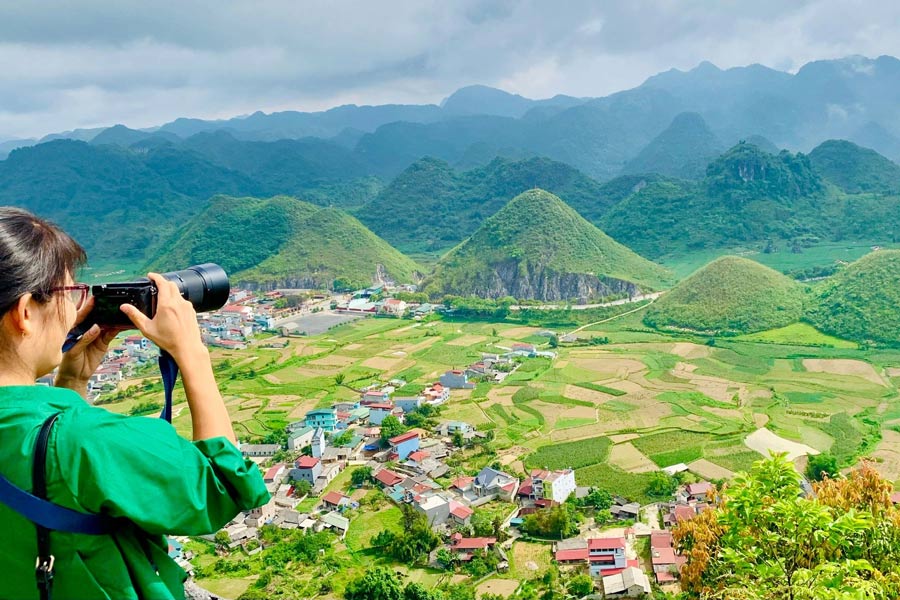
[{"x": 108, "y": 297}]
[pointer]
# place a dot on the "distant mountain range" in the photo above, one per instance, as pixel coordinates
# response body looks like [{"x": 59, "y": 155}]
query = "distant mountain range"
[{"x": 853, "y": 98}]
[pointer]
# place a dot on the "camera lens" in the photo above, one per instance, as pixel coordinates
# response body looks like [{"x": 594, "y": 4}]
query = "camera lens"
[{"x": 205, "y": 286}]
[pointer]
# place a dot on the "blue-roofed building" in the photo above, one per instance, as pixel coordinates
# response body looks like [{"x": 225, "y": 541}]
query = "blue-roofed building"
[
  {"x": 408, "y": 403},
  {"x": 325, "y": 418}
]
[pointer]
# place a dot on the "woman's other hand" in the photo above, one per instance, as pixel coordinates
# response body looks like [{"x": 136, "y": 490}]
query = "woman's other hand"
[
  {"x": 83, "y": 359},
  {"x": 174, "y": 327}
]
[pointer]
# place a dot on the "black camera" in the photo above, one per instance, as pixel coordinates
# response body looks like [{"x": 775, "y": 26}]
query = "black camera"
[{"x": 205, "y": 286}]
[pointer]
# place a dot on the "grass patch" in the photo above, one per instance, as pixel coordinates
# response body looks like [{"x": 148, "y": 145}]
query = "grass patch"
[
  {"x": 568, "y": 423},
  {"x": 618, "y": 406},
  {"x": 739, "y": 461},
  {"x": 806, "y": 397},
  {"x": 600, "y": 388},
  {"x": 570, "y": 454},
  {"x": 663, "y": 447},
  {"x": 847, "y": 437},
  {"x": 798, "y": 334},
  {"x": 632, "y": 486}
]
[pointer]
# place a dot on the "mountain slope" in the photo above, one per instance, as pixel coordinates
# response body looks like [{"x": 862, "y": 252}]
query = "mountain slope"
[
  {"x": 730, "y": 295},
  {"x": 104, "y": 196},
  {"x": 855, "y": 169},
  {"x": 682, "y": 150},
  {"x": 431, "y": 206},
  {"x": 747, "y": 196},
  {"x": 861, "y": 302},
  {"x": 538, "y": 247},
  {"x": 284, "y": 242}
]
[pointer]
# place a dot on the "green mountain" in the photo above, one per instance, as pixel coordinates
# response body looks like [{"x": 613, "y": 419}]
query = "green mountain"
[
  {"x": 538, "y": 247},
  {"x": 747, "y": 196},
  {"x": 683, "y": 150},
  {"x": 854, "y": 169},
  {"x": 105, "y": 196},
  {"x": 862, "y": 301},
  {"x": 730, "y": 295},
  {"x": 284, "y": 242},
  {"x": 431, "y": 206}
]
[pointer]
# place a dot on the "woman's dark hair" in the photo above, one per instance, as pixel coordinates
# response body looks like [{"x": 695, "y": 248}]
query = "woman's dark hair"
[{"x": 35, "y": 256}]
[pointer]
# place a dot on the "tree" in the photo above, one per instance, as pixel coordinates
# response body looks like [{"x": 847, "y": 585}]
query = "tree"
[
  {"x": 360, "y": 476},
  {"x": 558, "y": 522},
  {"x": 554, "y": 341},
  {"x": 458, "y": 439},
  {"x": 376, "y": 584},
  {"x": 661, "y": 484},
  {"x": 339, "y": 379},
  {"x": 766, "y": 539},
  {"x": 597, "y": 499},
  {"x": 446, "y": 558},
  {"x": 580, "y": 585},
  {"x": 415, "y": 591},
  {"x": 344, "y": 438},
  {"x": 391, "y": 427},
  {"x": 222, "y": 538},
  {"x": 302, "y": 487},
  {"x": 821, "y": 466}
]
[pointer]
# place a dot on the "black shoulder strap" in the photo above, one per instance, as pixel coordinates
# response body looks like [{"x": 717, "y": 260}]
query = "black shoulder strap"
[{"x": 45, "y": 560}]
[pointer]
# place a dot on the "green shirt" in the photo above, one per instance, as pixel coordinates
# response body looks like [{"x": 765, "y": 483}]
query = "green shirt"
[{"x": 138, "y": 468}]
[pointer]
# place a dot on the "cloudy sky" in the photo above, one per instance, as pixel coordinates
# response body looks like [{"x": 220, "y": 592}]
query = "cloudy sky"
[{"x": 92, "y": 63}]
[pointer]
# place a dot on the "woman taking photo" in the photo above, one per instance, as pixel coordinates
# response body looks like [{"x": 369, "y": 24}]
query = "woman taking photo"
[{"x": 135, "y": 470}]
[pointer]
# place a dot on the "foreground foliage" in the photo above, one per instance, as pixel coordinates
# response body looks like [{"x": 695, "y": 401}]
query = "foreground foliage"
[{"x": 768, "y": 540}]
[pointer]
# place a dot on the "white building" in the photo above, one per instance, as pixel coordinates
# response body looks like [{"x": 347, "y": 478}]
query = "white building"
[{"x": 553, "y": 485}]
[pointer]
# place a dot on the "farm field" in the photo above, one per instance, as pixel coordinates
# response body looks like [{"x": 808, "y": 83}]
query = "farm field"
[
  {"x": 677, "y": 399},
  {"x": 614, "y": 412}
]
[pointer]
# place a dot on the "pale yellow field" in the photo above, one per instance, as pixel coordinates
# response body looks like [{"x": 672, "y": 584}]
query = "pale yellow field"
[
  {"x": 501, "y": 587},
  {"x": 353, "y": 347},
  {"x": 623, "y": 437},
  {"x": 689, "y": 350},
  {"x": 764, "y": 441},
  {"x": 892, "y": 372},
  {"x": 580, "y": 393},
  {"x": 519, "y": 332},
  {"x": 842, "y": 366},
  {"x": 501, "y": 396},
  {"x": 467, "y": 340},
  {"x": 334, "y": 360},
  {"x": 704, "y": 468},
  {"x": 381, "y": 362},
  {"x": 628, "y": 458}
]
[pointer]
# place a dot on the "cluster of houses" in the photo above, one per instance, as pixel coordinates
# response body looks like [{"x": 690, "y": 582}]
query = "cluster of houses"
[
  {"x": 370, "y": 301},
  {"x": 493, "y": 368},
  {"x": 118, "y": 364},
  {"x": 613, "y": 558}
]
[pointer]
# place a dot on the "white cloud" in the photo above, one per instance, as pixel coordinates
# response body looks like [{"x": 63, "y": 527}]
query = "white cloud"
[{"x": 99, "y": 62}]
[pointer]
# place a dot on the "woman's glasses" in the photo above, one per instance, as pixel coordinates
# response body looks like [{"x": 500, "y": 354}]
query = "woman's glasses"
[{"x": 78, "y": 293}]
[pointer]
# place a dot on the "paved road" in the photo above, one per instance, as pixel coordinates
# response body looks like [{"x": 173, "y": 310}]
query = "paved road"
[{"x": 629, "y": 300}]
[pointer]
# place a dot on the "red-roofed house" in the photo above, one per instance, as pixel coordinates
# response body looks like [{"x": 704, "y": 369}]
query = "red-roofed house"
[
  {"x": 307, "y": 468},
  {"x": 460, "y": 513},
  {"x": 466, "y": 547},
  {"x": 418, "y": 456},
  {"x": 605, "y": 554},
  {"x": 388, "y": 478},
  {"x": 274, "y": 474},
  {"x": 575, "y": 555},
  {"x": 463, "y": 484},
  {"x": 335, "y": 500},
  {"x": 699, "y": 491},
  {"x": 404, "y": 444}
]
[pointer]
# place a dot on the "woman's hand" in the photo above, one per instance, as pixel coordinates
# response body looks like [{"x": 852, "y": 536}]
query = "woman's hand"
[
  {"x": 174, "y": 327},
  {"x": 82, "y": 359}
]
